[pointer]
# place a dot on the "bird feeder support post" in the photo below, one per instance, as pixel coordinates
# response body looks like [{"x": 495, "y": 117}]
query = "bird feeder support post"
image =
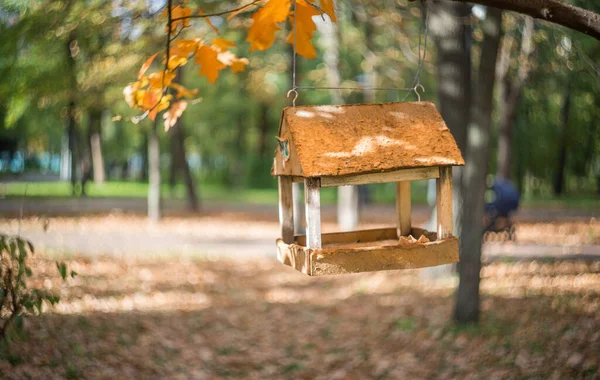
[
  {"x": 444, "y": 203},
  {"x": 312, "y": 202},
  {"x": 403, "y": 208},
  {"x": 286, "y": 209}
]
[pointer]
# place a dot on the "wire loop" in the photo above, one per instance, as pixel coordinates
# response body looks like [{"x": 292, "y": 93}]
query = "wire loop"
[{"x": 295, "y": 92}]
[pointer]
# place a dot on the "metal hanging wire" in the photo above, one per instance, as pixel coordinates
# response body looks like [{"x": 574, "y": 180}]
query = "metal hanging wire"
[{"x": 416, "y": 83}]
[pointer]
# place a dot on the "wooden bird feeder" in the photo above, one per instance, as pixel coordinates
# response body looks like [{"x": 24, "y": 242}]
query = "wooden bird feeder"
[{"x": 325, "y": 146}]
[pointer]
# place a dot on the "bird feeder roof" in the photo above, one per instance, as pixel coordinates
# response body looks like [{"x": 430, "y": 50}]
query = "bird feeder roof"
[{"x": 363, "y": 138}]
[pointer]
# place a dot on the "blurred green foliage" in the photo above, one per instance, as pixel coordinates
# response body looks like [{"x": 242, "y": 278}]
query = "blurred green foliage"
[{"x": 232, "y": 129}]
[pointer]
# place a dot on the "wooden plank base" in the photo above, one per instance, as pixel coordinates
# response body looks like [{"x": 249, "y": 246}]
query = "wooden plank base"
[{"x": 345, "y": 252}]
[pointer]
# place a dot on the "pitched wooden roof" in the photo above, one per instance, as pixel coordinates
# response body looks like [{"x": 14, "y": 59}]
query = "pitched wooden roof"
[{"x": 363, "y": 138}]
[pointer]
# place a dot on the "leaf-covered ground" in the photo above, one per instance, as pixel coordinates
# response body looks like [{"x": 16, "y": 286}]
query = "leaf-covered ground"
[{"x": 191, "y": 319}]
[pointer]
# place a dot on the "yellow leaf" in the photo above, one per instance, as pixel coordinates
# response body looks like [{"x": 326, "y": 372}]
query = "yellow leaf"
[
  {"x": 208, "y": 59},
  {"x": 146, "y": 66},
  {"x": 156, "y": 79},
  {"x": 176, "y": 61},
  {"x": 160, "y": 103},
  {"x": 183, "y": 48},
  {"x": 174, "y": 113},
  {"x": 304, "y": 30},
  {"x": 239, "y": 65},
  {"x": 181, "y": 13},
  {"x": 262, "y": 32},
  {"x": 183, "y": 92},
  {"x": 328, "y": 6},
  {"x": 222, "y": 44},
  {"x": 241, "y": 10}
]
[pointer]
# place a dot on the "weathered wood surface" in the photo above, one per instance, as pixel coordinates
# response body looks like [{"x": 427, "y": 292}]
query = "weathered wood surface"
[
  {"x": 403, "y": 208},
  {"x": 393, "y": 176},
  {"x": 444, "y": 203},
  {"x": 365, "y": 138},
  {"x": 353, "y": 236},
  {"x": 286, "y": 209},
  {"x": 283, "y": 165},
  {"x": 312, "y": 202},
  {"x": 343, "y": 260}
]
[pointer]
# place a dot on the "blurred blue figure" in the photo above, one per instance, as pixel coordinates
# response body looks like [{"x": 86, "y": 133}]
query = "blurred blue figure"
[{"x": 501, "y": 201}]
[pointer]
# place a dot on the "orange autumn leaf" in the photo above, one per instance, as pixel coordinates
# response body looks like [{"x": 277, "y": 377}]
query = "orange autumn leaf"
[
  {"x": 304, "y": 29},
  {"x": 262, "y": 32},
  {"x": 183, "y": 48},
  {"x": 208, "y": 59},
  {"x": 176, "y": 61},
  {"x": 239, "y": 65},
  {"x": 222, "y": 43},
  {"x": 174, "y": 113},
  {"x": 146, "y": 65},
  {"x": 183, "y": 92},
  {"x": 209, "y": 22},
  {"x": 160, "y": 103},
  {"x": 158, "y": 80},
  {"x": 328, "y": 6},
  {"x": 179, "y": 16},
  {"x": 242, "y": 10}
]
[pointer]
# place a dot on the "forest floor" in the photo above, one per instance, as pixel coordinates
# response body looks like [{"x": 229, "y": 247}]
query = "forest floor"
[
  {"x": 184, "y": 318},
  {"x": 202, "y": 297}
]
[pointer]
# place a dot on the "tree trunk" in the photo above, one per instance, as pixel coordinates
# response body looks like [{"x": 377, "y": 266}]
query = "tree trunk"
[
  {"x": 559, "y": 178},
  {"x": 466, "y": 308},
  {"x": 154, "y": 174},
  {"x": 144, "y": 155},
  {"x": 263, "y": 131},
  {"x": 95, "y": 136},
  {"x": 71, "y": 121},
  {"x": 510, "y": 93},
  {"x": 178, "y": 137},
  {"x": 452, "y": 37}
]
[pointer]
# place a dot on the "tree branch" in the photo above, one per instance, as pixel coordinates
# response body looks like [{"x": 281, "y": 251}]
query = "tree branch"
[{"x": 555, "y": 11}]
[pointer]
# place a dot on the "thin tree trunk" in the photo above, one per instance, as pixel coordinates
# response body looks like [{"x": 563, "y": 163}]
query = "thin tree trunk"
[
  {"x": 154, "y": 174},
  {"x": 347, "y": 202},
  {"x": 559, "y": 178},
  {"x": 263, "y": 132},
  {"x": 190, "y": 186},
  {"x": 466, "y": 309},
  {"x": 71, "y": 121},
  {"x": 510, "y": 93},
  {"x": 95, "y": 135},
  {"x": 144, "y": 155}
]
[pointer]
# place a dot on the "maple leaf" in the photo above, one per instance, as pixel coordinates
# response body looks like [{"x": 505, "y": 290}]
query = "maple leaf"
[
  {"x": 183, "y": 48},
  {"x": 208, "y": 59},
  {"x": 304, "y": 29},
  {"x": 262, "y": 32},
  {"x": 174, "y": 113},
  {"x": 176, "y": 61},
  {"x": 178, "y": 12},
  {"x": 183, "y": 92},
  {"x": 242, "y": 10},
  {"x": 328, "y": 6},
  {"x": 239, "y": 65},
  {"x": 222, "y": 43},
  {"x": 146, "y": 66},
  {"x": 160, "y": 79}
]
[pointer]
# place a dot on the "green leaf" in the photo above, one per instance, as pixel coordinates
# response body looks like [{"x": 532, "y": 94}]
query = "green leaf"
[{"x": 62, "y": 269}]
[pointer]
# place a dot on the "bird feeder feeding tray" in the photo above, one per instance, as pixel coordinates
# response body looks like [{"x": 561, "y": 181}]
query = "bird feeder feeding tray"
[{"x": 324, "y": 146}]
